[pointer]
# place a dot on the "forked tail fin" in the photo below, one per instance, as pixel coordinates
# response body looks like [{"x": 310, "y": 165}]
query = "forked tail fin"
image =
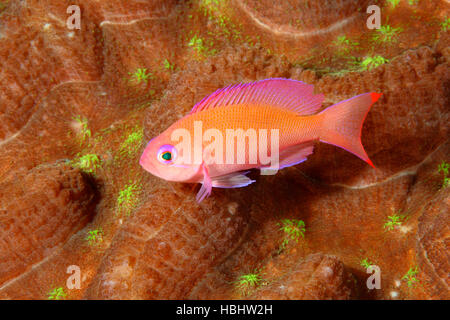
[{"x": 342, "y": 124}]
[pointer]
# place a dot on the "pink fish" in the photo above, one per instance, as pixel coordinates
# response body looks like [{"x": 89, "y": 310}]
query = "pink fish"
[{"x": 287, "y": 109}]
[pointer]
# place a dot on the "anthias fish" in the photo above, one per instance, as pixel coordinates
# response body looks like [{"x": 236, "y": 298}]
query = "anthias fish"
[{"x": 287, "y": 109}]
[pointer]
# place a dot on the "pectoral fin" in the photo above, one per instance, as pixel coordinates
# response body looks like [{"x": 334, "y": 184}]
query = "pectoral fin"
[{"x": 232, "y": 180}]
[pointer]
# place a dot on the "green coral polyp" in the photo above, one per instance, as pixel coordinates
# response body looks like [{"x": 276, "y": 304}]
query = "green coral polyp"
[
  {"x": 370, "y": 63},
  {"x": 386, "y": 34},
  {"x": 57, "y": 294},
  {"x": 83, "y": 132},
  {"x": 444, "y": 168},
  {"x": 293, "y": 230},
  {"x": 95, "y": 236},
  {"x": 140, "y": 75},
  {"x": 393, "y": 221},
  {"x": 128, "y": 198},
  {"x": 88, "y": 163},
  {"x": 410, "y": 276},
  {"x": 132, "y": 143},
  {"x": 248, "y": 282}
]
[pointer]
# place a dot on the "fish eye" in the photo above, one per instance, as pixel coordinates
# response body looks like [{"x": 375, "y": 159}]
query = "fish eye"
[{"x": 166, "y": 154}]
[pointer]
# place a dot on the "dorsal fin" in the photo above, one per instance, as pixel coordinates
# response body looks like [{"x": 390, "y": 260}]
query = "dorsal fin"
[{"x": 287, "y": 94}]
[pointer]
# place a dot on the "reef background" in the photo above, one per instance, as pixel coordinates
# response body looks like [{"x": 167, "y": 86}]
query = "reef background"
[{"x": 78, "y": 106}]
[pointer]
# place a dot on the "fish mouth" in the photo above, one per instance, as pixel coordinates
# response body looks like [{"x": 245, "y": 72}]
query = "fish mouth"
[
  {"x": 145, "y": 164},
  {"x": 141, "y": 160}
]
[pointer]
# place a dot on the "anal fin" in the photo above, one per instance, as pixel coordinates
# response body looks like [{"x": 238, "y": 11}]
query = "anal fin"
[
  {"x": 295, "y": 154},
  {"x": 232, "y": 180}
]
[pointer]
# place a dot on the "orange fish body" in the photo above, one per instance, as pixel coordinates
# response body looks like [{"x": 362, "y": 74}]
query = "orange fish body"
[
  {"x": 293, "y": 129},
  {"x": 273, "y": 118}
]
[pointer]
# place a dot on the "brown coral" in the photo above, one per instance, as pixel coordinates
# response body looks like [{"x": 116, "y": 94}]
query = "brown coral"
[{"x": 41, "y": 210}]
